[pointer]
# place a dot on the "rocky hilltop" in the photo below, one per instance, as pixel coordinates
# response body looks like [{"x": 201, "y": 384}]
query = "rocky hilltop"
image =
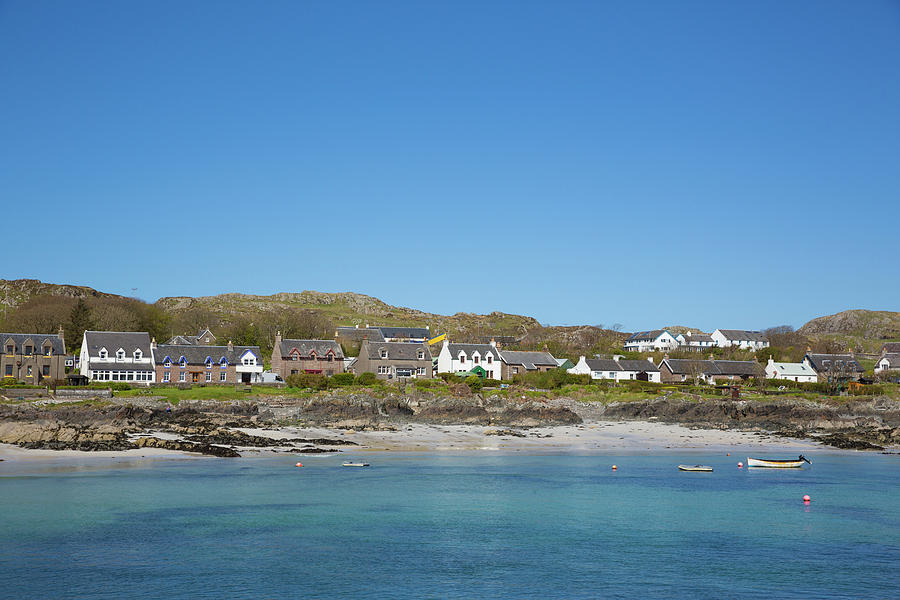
[{"x": 869, "y": 324}]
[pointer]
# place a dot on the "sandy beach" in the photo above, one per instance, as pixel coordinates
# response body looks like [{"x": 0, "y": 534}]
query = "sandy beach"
[{"x": 595, "y": 437}]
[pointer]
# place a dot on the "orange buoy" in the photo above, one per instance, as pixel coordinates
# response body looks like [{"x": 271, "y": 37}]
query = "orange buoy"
[
  {"x": 299, "y": 464},
  {"x": 806, "y": 498},
  {"x": 728, "y": 454},
  {"x": 614, "y": 467}
]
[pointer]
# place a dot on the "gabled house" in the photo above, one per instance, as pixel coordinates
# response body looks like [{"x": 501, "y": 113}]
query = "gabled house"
[
  {"x": 616, "y": 369},
  {"x": 394, "y": 360},
  {"x": 740, "y": 338},
  {"x": 518, "y": 363},
  {"x": 33, "y": 358},
  {"x": 290, "y": 357},
  {"x": 834, "y": 367},
  {"x": 192, "y": 363},
  {"x": 117, "y": 356},
  {"x": 696, "y": 341},
  {"x": 888, "y": 362},
  {"x": 890, "y": 348},
  {"x": 461, "y": 358},
  {"x": 674, "y": 370},
  {"x": 801, "y": 372},
  {"x": 651, "y": 341},
  {"x": 204, "y": 338}
]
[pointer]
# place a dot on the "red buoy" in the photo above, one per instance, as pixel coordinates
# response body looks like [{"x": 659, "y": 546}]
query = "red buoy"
[
  {"x": 299, "y": 464},
  {"x": 806, "y": 498},
  {"x": 740, "y": 465}
]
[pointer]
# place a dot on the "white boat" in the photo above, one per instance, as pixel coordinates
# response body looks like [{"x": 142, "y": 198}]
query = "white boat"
[
  {"x": 355, "y": 464},
  {"x": 699, "y": 468},
  {"x": 777, "y": 464}
]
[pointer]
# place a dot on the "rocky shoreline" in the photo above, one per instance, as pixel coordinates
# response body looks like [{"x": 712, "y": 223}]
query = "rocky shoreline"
[{"x": 214, "y": 428}]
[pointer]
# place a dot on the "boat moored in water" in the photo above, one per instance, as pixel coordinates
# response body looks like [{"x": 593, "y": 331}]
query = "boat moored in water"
[
  {"x": 698, "y": 468},
  {"x": 777, "y": 464},
  {"x": 355, "y": 464}
]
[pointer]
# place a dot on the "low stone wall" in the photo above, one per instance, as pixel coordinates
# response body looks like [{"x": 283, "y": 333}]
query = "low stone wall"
[
  {"x": 24, "y": 392},
  {"x": 84, "y": 394}
]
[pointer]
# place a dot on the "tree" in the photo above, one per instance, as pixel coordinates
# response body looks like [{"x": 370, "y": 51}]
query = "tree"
[{"x": 80, "y": 320}]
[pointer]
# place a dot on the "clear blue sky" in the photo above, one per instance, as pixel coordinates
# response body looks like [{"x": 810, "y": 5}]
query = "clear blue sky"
[{"x": 714, "y": 164}]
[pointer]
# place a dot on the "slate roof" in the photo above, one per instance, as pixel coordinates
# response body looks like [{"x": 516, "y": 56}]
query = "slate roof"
[
  {"x": 686, "y": 366},
  {"x": 196, "y": 355},
  {"x": 397, "y": 350},
  {"x": 792, "y": 369},
  {"x": 890, "y": 348},
  {"x": 603, "y": 364},
  {"x": 404, "y": 332},
  {"x": 356, "y": 334},
  {"x": 470, "y": 349},
  {"x": 638, "y": 365},
  {"x": 698, "y": 337},
  {"x": 113, "y": 340},
  {"x": 741, "y": 335},
  {"x": 321, "y": 347},
  {"x": 37, "y": 339},
  {"x": 191, "y": 339},
  {"x": 824, "y": 363},
  {"x": 646, "y": 336},
  {"x": 529, "y": 360}
]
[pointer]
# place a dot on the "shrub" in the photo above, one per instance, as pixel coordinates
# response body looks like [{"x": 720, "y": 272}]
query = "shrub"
[
  {"x": 342, "y": 379},
  {"x": 315, "y": 381},
  {"x": 474, "y": 382},
  {"x": 551, "y": 380},
  {"x": 366, "y": 378},
  {"x": 427, "y": 384}
]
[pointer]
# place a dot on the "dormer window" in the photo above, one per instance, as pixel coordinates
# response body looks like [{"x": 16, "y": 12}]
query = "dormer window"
[
  {"x": 48, "y": 350},
  {"x": 223, "y": 363},
  {"x": 248, "y": 360},
  {"x": 138, "y": 354},
  {"x": 208, "y": 362},
  {"x": 103, "y": 353},
  {"x": 10, "y": 349},
  {"x": 29, "y": 350},
  {"x": 167, "y": 363},
  {"x": 420, "y": 355},
  {"x": 182, "y": 362},
  {"x": 383, "y": 353},
  {"x": 475, "y": 359},
  {"x": 120, "y": 354},
  {"x": 490, "y": 358},
  {"x": 462, "y": 357}
]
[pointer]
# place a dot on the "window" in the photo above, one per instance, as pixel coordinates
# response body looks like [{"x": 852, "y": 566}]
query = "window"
[
  {"x": 475, "y": 359},
  {"x": 8, "y": 371},
  {"x": 45, "y": 370},
  {"x": 167, "y": 363},
  {"x": 181, "y": 376},
  {"x": 490, "y": 359},
  {"x": 28, "y": 371},
  {"x": 166, "y": 377},
  {"x": 29, "y": 350},
  {"x": 420, "y": 371},
  {"x": 209, "y": 363},
  {"x": 248, "y": 360},
  {"x": 103, "y": 353},
  {"x": 383, "y": 353},
  {"x": 138, "y": 354},
  {"x": 462, "y": 358},
  {"x": 208, "y": 377},
  {"x": 420, "y": 355},
  {"x": 515, "y": 370},
  {"x": 10, "y": 349},
  {"x": 120, "y": 354},
  {"x": 182, "y": 363},
  {"x": 48, "y": 350},
  {"x": 222, "y": 376}
]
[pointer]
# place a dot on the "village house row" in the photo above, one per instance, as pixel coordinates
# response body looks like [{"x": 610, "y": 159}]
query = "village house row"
[{"x": 392, "y": 353}]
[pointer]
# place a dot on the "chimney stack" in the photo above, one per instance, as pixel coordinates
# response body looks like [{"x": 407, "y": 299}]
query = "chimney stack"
[{"x": 230, "y": 345}]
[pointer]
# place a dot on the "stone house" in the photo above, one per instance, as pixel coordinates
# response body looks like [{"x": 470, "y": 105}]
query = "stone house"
[
  {"x": 191, "y": 363},
  {"x": 834, "y": 367},
  {"x": 33, "y": 358},
  {"x": 677, "y": 370},
  {"x": 394, "y": 360},
  {"x": 518, "y": 363},
  {"x": 290, "y": 357}
]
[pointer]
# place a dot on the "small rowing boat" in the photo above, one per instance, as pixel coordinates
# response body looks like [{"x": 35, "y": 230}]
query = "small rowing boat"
[
  {"x": 777, "y": 464},
  {"x": 355, "y": 464},
  {"x": 698, "y": 468}
]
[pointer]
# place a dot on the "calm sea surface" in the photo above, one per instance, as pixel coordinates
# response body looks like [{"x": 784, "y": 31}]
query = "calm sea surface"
[{"x": 457, "y": 526}]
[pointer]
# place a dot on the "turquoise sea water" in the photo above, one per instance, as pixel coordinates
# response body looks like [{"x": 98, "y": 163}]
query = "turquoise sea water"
[{"x": 450, "y": 526}]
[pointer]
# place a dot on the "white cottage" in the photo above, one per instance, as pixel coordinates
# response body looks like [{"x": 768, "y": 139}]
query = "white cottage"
[
  {"x": 457, "y": 358},
  {"x": 651, "y": 341},
  {"x": 801, "y": 372},
  {"x": 888, "y": 362},
  {"x": 617, "y": 369},
  {"x": 740, "y": 338},
  {"x": 696, "y": 341},
  {"x": 117, "y": 356}
]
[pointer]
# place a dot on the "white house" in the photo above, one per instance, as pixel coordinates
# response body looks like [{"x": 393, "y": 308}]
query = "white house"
[
  {"x": 888, "y": 362},
  {"x": 616, "y": 369},
  {"x": 456, "y": 358},
  {"x": 745, "y": 340},
  {"x": 801, "y": 372},
  {"x": 695, "y": 341},
  {"x": 650, "y": 341},
  {"x": 117, "y": 356}
]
